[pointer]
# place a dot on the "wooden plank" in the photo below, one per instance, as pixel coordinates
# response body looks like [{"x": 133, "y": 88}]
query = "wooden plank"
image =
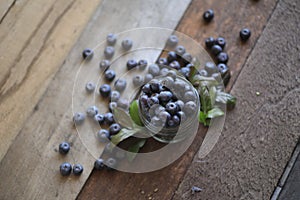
[
  {"x": 226, "y": 24},
  {"x": 39, "y": 36},
  {"x": 32, "y": 158},
  {"x": 262, "y": 131}
]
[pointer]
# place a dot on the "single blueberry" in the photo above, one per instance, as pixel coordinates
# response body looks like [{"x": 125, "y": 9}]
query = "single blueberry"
[
  {"x": 87, "y": 54},
  {"x": 175, "y": 65},
  {"x": 209, "y": 42},
  {"x": 131, "y": 64},
  {"x": 105, "y": 90},
  {"x": 172, "y": 41},
  {"x": 111, "y": 39},
  {"x": 114, "y": 129},
  {"x": 64, "y": 148},
  {"x": 77, "y": 169},
  {"x": 65, "y": 169},
  {"x": 127, "y": 44},
  {"x": 142, "y": 64},
  {"x": 172, "y": 108},
  {"x": 103, "y": 136},
  {"x": 109, "y": 52},
  {"x": 153, "y": 69},
  {"x": 245, "y": 34},
  {"x": 222, "y": 58},
  {"x": 216, "y": 49},
  {"x": 221, "y": 42},
  {"x": 171, "y": 56},
  {"x": 110, "y": 75},
  {"x": 208, "y": 15},
  {"x": 180, "y": 50},
  {"x": 120, "y": 84},
  {"x": 90, "y": 87},
  {"x": 92, "y": 111},
  {"x": 99, "y": 118},
  {"x": 99, "y": 164},
  {"x": 78, "y": 118},
  {"x": 115, "y": 96},
  {"x": 104, "y": 65},
  {"x": 138, "y": 80},
  {"x": 109, "y": 118}
]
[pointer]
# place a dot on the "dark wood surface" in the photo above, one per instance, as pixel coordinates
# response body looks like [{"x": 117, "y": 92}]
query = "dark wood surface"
[{"x": 230, "y": 17}]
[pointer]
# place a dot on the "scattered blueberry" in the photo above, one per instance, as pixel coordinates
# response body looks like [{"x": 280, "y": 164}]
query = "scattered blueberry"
[
  {"x": 203, "y": 72},
  {"x": 64, "y": 148},
  {"x": 114, "y": 129},
  {"x": 138, "y": 80},
  {"x": 245, "y": 34},
  {"x": 190, "y": 107},
  {"x": 142, "y": 64},
  {"x": 78, "y": 118},
  {"x": 180, "y": 50},
  {"x": 65, "y": 169},
  {"x": 222, "y": 58},
  {"x": 223, "y": 69},
  {"x": 172, "y": 108},
  {"x": 123, "y": 103},
  {"x": 154, "y": 69},
  {"x": 104, "y": 65},
  {"x": 77, "y": 169},
  {"x": 127, "y": 44},
  {"x": 162, "y": 62},
  {"x": 92, "y": 111},
  {"x": 175, "y": 65},
  {"x": 109, "y": 118},
  {"x": 111, "y": 39},
  {"x": 210, "y": 67},
  {"x": 164, "y": 71},
  {"x": 208, "y": 15},
  {"x": 131, "y": 64},
  {"x": 109, "y": 52},
  {"x": 87, "y": 54},
  {"x": 172, "y": 41},
  {"x": 90, "y": 87},
  {"x": 115, "y": 96},
  {"x": 103, "y": 135},
  {"x": 187, "y": 57},
  {"x": 120, "y": 84},
  {"x": 221, "y": 42},
  {"x": 99, "y": 164},
  {"x": 110, "y": 75},
  {"x": 209, "y": 42},
  {"x": 99, "y": 118},
  {"x": 105, "y": 90},
  {"x": 171, "y": 56},
  {"x": 216, "y": 49},
  {"x": 112, "y": 106}
]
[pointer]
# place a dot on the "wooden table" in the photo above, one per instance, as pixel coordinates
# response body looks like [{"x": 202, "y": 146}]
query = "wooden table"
[{"x": 41, "y": 43}]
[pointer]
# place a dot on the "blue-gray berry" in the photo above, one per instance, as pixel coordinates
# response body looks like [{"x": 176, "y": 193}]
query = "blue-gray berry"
[
  {"x": 110, "y": 74},
  {"x": 90, "y": 87},
  {"x": 99, "y": 118},
  {"x": 138, "y": 80},
  {"x": 148, "y": 77},
  {"x": 187, "y": 57},
  {"x": 172, "y": 41},
  {"x": 111, "y": 39},
  {"x": 87, "y": 54},
  {"x": 112, "y": 106},
  {"x": 77, "y": 169},
  {"x": 78, "y": 118},
  {"x": 120, "y": 84},
  {"x": 109, "y": 52},
  {"x": 65, "y": 169},
  {"x": 64, "y": 148},
  {"x": 123, "y": 103},
  {"x": 190, "y": 107},
  {"x": 115, "y": 96},
  {"x": 180, "y": 50},
  {"x": 142, "y": 64},
  {"x": 164, "y": 71},
  {"x": 105, "y": 90},
  {"x": 104, "y": 65},
  {"x": 127, "y": 44},
  {"x": 103, "y": 136},
  {"x": 92, "y": 111},
  {"x": 211, "y": 68},
  {"x": 114, "y": 129},
  {"x": 99, "y": 164},
  {"x": 154, "y": 69}
]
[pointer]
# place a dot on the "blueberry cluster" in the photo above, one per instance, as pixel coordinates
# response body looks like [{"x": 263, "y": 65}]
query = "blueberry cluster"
[{"x": 167, "y": 103}]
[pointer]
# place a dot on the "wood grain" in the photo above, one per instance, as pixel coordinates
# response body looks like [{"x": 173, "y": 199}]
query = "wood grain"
[
  {"x": 29, "y": 168},
  {"x": 39, "y": 36},
  {"x": 227, "y": 24}
]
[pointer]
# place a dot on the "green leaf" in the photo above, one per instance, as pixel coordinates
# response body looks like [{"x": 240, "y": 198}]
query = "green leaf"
[
  {"x": 212, "y": 95},
  {"x": 122, "y": 118},
  {"x": 202, "y": 117},
  {"x": 225, "y": 98},
  {"x": 134, "y": 113},
  {"x": 134, "y": 149},
  {"x": 215, "y": 112},
  {"x": 123, "y": 134}
]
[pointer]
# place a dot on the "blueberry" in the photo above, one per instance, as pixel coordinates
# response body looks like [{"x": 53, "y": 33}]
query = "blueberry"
[
  {"x": 164, "y": 71},
  {"x": 78, "y": 118},
  {"x": 179, "y": 104},
  {"x": 103, "y": 136},
  {"x": 171, "y": 123},
  {"x": 142, "y": 64},
  {"x": 209, "y": 42},
  {"x": 216, "y": 49},
  {"x": 90, "y": 87},
  {"x": 203, "y": 72},
  {"x": 87, "y": 54},
  {"x": 77, "y": 169},
  {"x": 127, "y": 44},
  {"x": 147, "y": 89},
  {"x": 165, "y": 96},
  {"x": 171, "y": 56},
  {"x": 138, "y": 80},
  {"x": 210, "y": 67},
  {"x": 131, "y": 64},
  {"x": 148, "y": 78},
  {"x": 172, "y": 74},
  {"x": 176, "y": 120},
  {"x": 64, "y": 148},
  {"x": 99, "y": 164},
  {"x": 154, "y": 69},
  {"x": 65, "y": 169},
  {"x": 156, "y": 121},
  {"x": 185, "y": 71},
  {"x": 175, "y": 65},
  {"x": 114, "y": 129},
  {"x": 110, "y": 75},
  {"x": 111, "y": 39},
  {"x": 112, "y": 106},
  {"x": 92, "y": 111},
  {"x": 109, "y": 52},
  {"x": 162, "y": 62},
  {"x": 187, "y": 58},
  {"x": 180, "y": 50},
  {"x": 190, "y": 107},
  {"x": 164, "y": 116},
  {"x": 111, "y": 163},
  {"x": 114, "y": 96},
  {"x": 120, "y": 84},
  {"x": 182, "y": 116},
  {"x": 172, "y": 108},
  {"x": 105, "y": 90},
  {"x": 155, "y": 86},
  {"x": 179, "y": 85},
  {"x": 208, "y": 15},
  {"x": 152, "y": 101},
  {"x": 189, "y": 96},
  {"x": 245, "y": 34},
  {"x": 109, "y": 118},
  {"x": 123, "y": 103},
  {"x": 172, "y": 41},
  {"x": 99, "y": 118},
  {"x": 222, "y": 57},
  {"x": 144, "y": 100},
  {"x": 221, "y": 42},
  {"x": 104, "y": 65},
  {"x": 223, "y": 69}
]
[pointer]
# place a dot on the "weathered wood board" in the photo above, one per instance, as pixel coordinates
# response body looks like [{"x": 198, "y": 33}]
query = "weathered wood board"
[{"x": 30, "y": 161}]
